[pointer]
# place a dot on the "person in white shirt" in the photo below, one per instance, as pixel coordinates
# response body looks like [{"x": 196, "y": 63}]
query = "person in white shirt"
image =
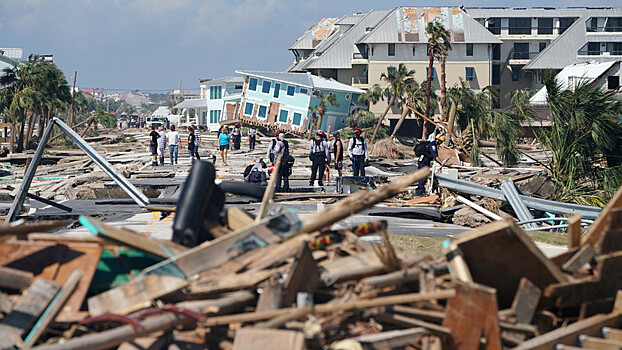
[
  {"x": 357, "y": 151},
  {"x": 161, "y": 144},
  {"x": 173, "y": 143},
  {"x": 252, "y": 137}
]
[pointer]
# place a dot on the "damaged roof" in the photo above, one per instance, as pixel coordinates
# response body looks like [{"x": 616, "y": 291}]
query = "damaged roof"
[
  {"x": 307, "y": 80},
  {"x": 316, "y": 34}
]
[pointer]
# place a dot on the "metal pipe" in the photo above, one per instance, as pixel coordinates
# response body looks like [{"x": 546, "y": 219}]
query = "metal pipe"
[
  {"x": 552, "y": 219},
  {"x": 546, "y": 228}
]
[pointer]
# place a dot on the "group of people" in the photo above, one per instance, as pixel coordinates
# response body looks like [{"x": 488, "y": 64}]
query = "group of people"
[
  {"x": 159, "y": 140},
  {"x": 320, "y": 151}
]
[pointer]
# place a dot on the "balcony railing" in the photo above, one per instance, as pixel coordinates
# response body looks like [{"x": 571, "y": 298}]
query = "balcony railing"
[
  {"x": 608, "y": 29},
  {"x": 360, "y": 80},
  {"x": 359, "y": 56},
  {"x": 520, "y": 55}
]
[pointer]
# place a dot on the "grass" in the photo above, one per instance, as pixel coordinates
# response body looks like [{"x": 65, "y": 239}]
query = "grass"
[{"x": 414, "y": 245}]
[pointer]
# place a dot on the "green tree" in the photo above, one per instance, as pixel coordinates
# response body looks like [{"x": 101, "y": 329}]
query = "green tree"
[
  {"x": 397, "y": 79},
  {"x": 414, "y": 97},
  {"x": 325, "y": 99},
  {"x": 438, "y": 37},
  {"x": 369, "y": 97}
]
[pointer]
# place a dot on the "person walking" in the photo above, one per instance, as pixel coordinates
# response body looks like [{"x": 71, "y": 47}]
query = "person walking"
[
  {"x": 173, "y": 143},
  {"x": 357, "y": 151},
  {"x": 161, "y": 144},
  {"x": 224, "y": 141},
  {"x": 273, "y": 143},
  {"x": 237, "y": 136},
  {"x": 197, "y": 136},
  {"x": 319, "y": 155},
  {"x": 252, "y": 137},
  {"x": 153, "y": 145},
  {"x": 338, "y": 153},
  {"x": 191, "y": 142},
  {"x": 427, "y": 151},
  {"x": 281, "y": 148}
]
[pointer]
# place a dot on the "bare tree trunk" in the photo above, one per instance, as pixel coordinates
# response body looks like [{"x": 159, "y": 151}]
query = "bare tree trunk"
[
  {"x": 320, "y": 118},
  {"x": 450, "y": 123},
  {"x": 31, "y": 122},
  {"x": 428, "y": 93},
  {"x": 20, "y": 139},
  {"x": 443, "y": 87},
  {"x": 373, "y": 137},
  {"x": 87, "y": 127},
  {"x": 399, "y": 122},
  {"x": 12, "y": 143}
]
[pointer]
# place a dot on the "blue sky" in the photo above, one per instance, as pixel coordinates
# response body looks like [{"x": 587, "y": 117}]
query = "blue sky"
[{"x": 152, "y": 44}]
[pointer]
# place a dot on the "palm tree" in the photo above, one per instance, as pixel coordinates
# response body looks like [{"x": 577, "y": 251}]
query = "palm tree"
[
  {"x": 438, "y": 37},
  {"x": 369, "y": 97},
  {"x": 99, "y": 117},
  {"x": 415, "y": 94},
  {"x": 444, "y": 48},
  {"x": 329, "y": 98},
  {"x": 397, "y": 81}
]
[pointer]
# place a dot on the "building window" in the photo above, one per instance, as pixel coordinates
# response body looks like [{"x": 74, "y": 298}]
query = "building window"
[
  {"x": 214, "y": 116},
  {"x": 391, "y": 49},
  {"x": 304, "y": 91},
  {"x": 414, "y": 51},
  {"x": 469, "y": 72},
  {"x": 494, "y": 25},
  {"x": 520, "y": 26},
  {"x": 252, "y": 84},
  {"x": 248, "y": 109},
  {"x": 297, "y": 119},
  {"x": 291, "y": 90},
  {"x": 541, "y": 46},
  {"x": 496, "y": 74},
  {"x": 391, "y": 70},
  {"x": 521, "y": 51},
  {"x": 593, "y": 26},
  {"x": 469, "y": 49},
  {"x": 613, "y": 82},
  {"x": 496, "y": 52},
  {"x": 283, "y": 116},
  {"x": 427, "y": 72},
  {"x": 277, "y": 90},
  {"x": 545, "y": 26},
  {"x": 265, "y": 88},
  {"x": 516, "y": 71},
  {"x": 564, "y": 23},
  {"x": 593, "y": 48},
  {"x": 215, "y": 92},
  {"x": 262, "y": 111},
  {"x": 613, "y": 24},
  {"x": 237, "y": 87},
  {"x": 614, "y": 48}
]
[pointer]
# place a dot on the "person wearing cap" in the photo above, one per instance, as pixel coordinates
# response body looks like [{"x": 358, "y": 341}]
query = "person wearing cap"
[
  {"x": 252, "y": 137},
  {"x": 357, "y": 152},
  {"x": 281, "y": 148},
  {"x": 430, "y": 154},
  {"x": 236, "y": 134},
  {"x": 338, "y": 152},
  {"x": 319, "y": 154}
]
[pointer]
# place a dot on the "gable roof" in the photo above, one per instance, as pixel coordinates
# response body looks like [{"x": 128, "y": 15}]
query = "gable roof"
[
  {"x": 562, "y": 51},
  {"x": 408, "y": 25},
  {"x": 316, "y": 34},
  {"x": 303, "y": 79}
]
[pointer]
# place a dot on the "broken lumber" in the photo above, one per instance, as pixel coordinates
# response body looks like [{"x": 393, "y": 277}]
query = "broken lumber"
[
  {"x": 598, "y": 227},
  {"x": 14, "y": 278},
  {"x": 276, "y": 339}
]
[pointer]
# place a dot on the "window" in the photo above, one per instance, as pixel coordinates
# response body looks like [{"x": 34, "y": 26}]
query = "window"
[
  {"x": 614, "y": 48},
  {"x": 521, "y": 51},
  {"x": 613, "y": 82},
  {"x": 283, "y": 116},
  {"x": 297, "y": 119},
  {"x": 304, "y": 91},
  {"x": 516, "y": 71},
  {"x": 541, "y": 46},
  {"x": 262, "y": 111},
  {"x": 593, "y": 48},
  {"x": 391, "y": 70},
  {"x": 427, "y": 72},
  {"x": 214, "y": 116},
  {"x": 248, "y": 109},
  {"x": 613, "y": 24},
  {"x": 252, "y": 84},
  {"x": 469, "y": 73},
  {"x": 496, "y": 52},
  {"x": 277, "y": 90},
  {"x": 545, "y": 26},
  {"x": 237, "y": 87},
  {"x": 391, "y": 49},
  {"x": 414, "y": 46},
  {"x": 290, "y": 90},
  {"x": 593, "y": 27},
  {"x": 494, "y": 25},
  {"x": 564, "y": 23},
  {"x": 496, "y": 74},
  {"x": 215, "y": 92},
  {"x": 520, "y": 26},
  {"x": 469, "y": 49},
  {"x": 265, "y": 88}
]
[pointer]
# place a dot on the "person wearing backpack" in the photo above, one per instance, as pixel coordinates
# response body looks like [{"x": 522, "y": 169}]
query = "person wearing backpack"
[
  {"x": 281, "y": 147},
  {"x": 255, "y": 173},
  {"x": 319, "y": 154},
  {"x": 426, "y": 151},
  {"x": 271, "y": 146},
  {"x": 357, "y": 151}
]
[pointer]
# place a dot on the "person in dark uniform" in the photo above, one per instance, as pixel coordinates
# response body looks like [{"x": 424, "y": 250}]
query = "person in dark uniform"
[
  {"x": 319, "y": 155},
  {"x": 153, "y": 144},
  {"x": 357, "y": 151},
  {"x": 236, "y": 134},
  {"x": 338, "y": 152},
  {"x": 252, "y": 137},
  {"x": 430, "y": 153}
]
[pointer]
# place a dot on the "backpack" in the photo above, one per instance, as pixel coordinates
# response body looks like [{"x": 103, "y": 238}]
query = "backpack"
[
  {"x": 247, "y": 170},
  {"x": 355, "y": 141},
  {"x": 421, "y": 148},
  {"x": 287, "y": 158}
]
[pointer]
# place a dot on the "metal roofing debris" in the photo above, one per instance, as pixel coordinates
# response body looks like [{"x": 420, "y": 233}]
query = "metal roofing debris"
[
  {"x": 531, "y": 202},
  {"x": 511, "y": 194},
  {"x": 320, "y": 31}
]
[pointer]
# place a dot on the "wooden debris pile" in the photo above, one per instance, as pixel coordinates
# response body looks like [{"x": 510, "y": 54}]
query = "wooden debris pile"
[{"x": 283, "y": 282}]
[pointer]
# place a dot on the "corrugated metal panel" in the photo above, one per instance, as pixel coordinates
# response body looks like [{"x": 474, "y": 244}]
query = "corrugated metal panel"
[
  {"x": 509, "y": 12},
  {"x": 319, "y": 32},
  {"x": 563, "y": 51},
  {"x": 350, "y": 19},
  {"x": 302, "y": 79},
  {"x": 339, "y": 55}
]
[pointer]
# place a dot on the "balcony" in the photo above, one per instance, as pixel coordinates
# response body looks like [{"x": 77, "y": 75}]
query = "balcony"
[
  {"x": 520, "y": 58},
  {"x": 360, "y": 82},
  {"x": 359, "y": 58}
]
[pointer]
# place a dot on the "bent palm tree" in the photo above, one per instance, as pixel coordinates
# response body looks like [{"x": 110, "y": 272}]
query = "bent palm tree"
[
  {"x": 397, "y": 82},
  {"x": 369, "y": 97},
  {"x": 415, "y": 95},
  {"x": 437, "y": 36},
  {"x": 329, "y": 98}
]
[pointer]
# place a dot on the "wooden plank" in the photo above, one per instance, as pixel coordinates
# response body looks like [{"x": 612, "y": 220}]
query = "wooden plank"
[
  {"x": 269, "y": 192},
  {"x": 599, "y": 343},
  {"x": 42, "y": 259},
  {"x": 304, "y": 276},
  {"x": 526, "y": 301},
  {"x": 132, "y": 239},
  {"x": 574, "y": 231},
  {"x": 413, "y": 322},
  {"x": 613, "y": 334},
  {"x": 283, "y": 319},
  {"x": 156, "y": 341},
  {"x": 509, "y": 253},
  {"x": 32, "y": 304},
  {"x": 132, "y": 297},
  {"x": 591, "y": 308},
  {"x": 611, "y": 239},
  {"x": 578, "y": 260},
  {"x": 15, "y": 279},
  {"x": 272, "y": 296},
  {"x": 568, "y": 335},
  {"x": 274, "y": 339},
  {"x": 471, "y": 315},
  {"x": 598, "y": 227},
  {"x": 390, "y": 339},
  {"x": 238, "y": 219},
  {"x": 24, "y": 228},
  {"x": 218, "y": 284},
  {"x": 429, "y": 315}
]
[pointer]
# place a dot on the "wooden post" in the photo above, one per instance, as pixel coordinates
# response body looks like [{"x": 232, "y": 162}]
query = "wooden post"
[
  {"x": 574, "y": 231},
  {"x": 269, "y": 193},
  {"x": 450, "y": 122}
]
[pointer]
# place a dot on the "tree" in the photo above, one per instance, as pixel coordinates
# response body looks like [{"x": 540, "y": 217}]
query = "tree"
[
  {"x": 438, "y": 37},
  {"x": 369, "y": 97},
  {"x": 444, "y": 48},
  {"x": 108, "y": 120},
  {"x": 325, "y": 99},
  {"x": 397, "y": 79},
  {"x": 414, "y": 97}
]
